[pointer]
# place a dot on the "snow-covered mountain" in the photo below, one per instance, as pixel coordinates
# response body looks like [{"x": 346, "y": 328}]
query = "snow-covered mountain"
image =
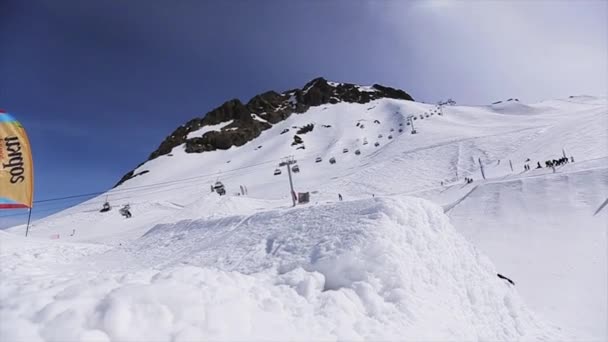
[{"x": 412, "y": 251}]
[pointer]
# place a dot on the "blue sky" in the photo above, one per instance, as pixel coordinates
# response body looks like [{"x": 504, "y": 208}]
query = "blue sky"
[{"x": 99, "y": 84}]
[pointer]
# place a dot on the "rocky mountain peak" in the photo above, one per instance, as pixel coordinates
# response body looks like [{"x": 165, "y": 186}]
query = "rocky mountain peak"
[{"x": 245, "y": 122}]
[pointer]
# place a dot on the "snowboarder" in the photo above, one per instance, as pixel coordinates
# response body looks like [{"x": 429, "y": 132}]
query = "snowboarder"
[
  {"x": 340, "y": 197},
  {"x": 505, "y": 278},
  {"x": 538, "y": 165},
  {"x": 572, "y": 159}
]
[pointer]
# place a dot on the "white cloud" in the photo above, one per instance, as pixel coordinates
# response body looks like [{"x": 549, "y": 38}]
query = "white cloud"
[{"x": 480, "y": 51}]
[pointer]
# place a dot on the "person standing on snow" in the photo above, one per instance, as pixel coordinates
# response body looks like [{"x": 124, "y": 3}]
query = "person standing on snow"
[{"x": 340, "y": 197}]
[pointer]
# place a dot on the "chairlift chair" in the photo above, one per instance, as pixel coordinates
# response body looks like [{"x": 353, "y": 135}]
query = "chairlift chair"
[
  {"x": 219, "y": 188},
  {"x": 357, "y": 152},
  {"x": 277, "y": 172},
  {"x": 318, "y": 160},
  {"x": 295, "y": 169},
  {"x": 332, "y": 160},
  {"x": 106, "y": 207}
]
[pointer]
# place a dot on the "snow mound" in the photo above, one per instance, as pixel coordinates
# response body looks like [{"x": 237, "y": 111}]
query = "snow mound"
[
  {"x": 588, "y": 99},
  {"x": 513, "y": 107},
  {"x": 381, "y": 269}
]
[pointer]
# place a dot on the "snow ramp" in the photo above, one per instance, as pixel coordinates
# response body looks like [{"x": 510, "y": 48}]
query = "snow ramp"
[
  {"x": 375, "y": 269},
  {"x": 548, "y": 233}
]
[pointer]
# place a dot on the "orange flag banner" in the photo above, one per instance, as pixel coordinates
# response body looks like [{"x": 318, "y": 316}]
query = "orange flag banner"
[{"x": 16, "y": 166}]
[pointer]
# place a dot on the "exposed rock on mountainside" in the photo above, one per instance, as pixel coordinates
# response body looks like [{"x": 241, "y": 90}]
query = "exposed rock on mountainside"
[{"x": 245, "y": 122}]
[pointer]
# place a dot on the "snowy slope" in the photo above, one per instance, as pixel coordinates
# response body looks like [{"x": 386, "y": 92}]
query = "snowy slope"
[
  {"x": 528, "y": 222},
  {"x": 446, "y": 149},
  {"x": 546, "y": 232}
]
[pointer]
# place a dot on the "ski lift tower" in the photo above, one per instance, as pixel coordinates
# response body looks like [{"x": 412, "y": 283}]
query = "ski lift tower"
[
  {"x": 411, "y": 120},
  {"x": 288, "y": 161}
]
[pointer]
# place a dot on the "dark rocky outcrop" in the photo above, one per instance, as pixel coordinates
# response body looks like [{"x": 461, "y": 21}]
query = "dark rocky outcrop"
[
  {"x": 132, "y": 174},
  {"x": 261, "y": 112},
  {"x": 306, "y": 128}
]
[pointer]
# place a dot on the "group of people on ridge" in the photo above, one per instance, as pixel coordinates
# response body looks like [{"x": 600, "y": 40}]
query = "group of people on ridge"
[{"x": 550, "y": 163}]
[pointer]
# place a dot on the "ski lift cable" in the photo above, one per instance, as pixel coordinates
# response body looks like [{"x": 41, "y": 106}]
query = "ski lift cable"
[
  {"x": 95, "y": 204},
  {"x": 141, "y": 190},
  {"x": 112, "y": 191},
  {"x": 153, "y": 185}
]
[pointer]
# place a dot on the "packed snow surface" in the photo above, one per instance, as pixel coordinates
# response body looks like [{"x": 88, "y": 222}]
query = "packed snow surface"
[
  {"x": 383, "y": 268},
  {"x": 380, "y": 265}
]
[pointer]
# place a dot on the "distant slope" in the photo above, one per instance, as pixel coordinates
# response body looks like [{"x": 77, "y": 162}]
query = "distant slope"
[{"x": 446, "y": 149}]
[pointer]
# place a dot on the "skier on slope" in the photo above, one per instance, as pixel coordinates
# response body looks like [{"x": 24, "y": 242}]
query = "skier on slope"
[
  {"x": 340, "y": 197},
  {"x": 124, "y": 211}
]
